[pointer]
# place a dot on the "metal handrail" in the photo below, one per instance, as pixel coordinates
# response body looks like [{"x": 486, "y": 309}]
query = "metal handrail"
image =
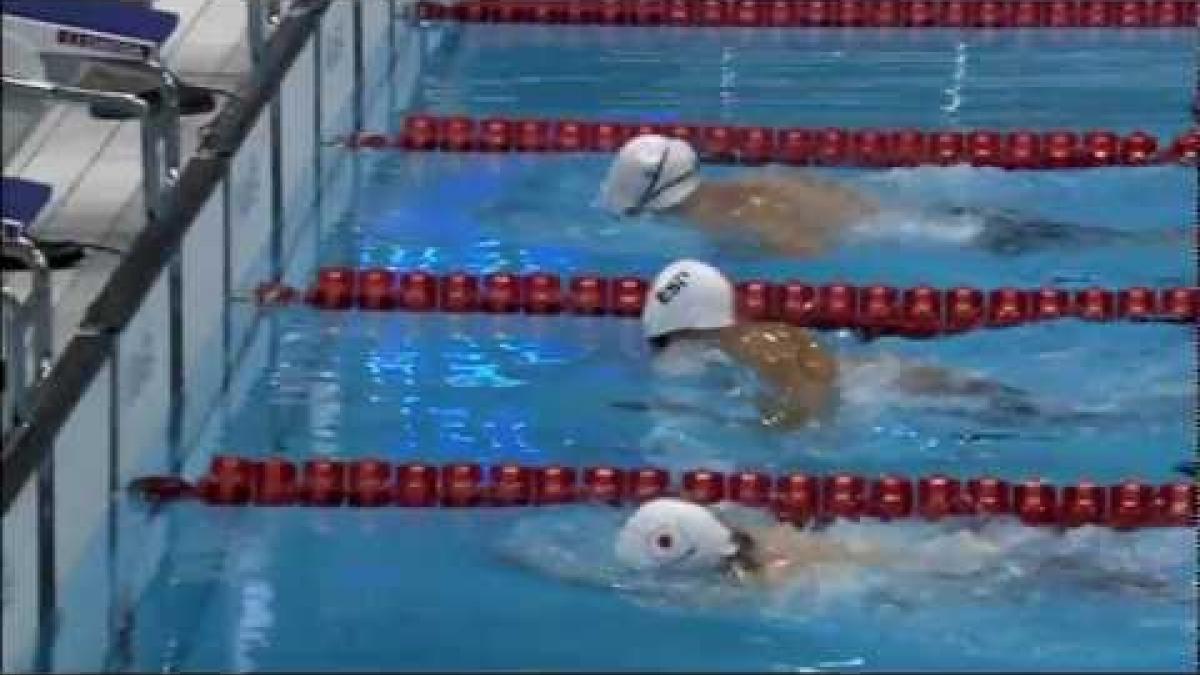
[
  {"x": 164, "y": 125},
  {"x": 128, "y": 103},
  {"x": 18, "y": 246},
  {"x": 13, "y": 337},
  {"x": 41, "y": 305},
  {"x": 264, "y": 14}
]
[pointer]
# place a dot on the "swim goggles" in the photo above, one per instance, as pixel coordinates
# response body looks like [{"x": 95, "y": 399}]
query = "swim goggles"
[{"x": 653, "y": 189}]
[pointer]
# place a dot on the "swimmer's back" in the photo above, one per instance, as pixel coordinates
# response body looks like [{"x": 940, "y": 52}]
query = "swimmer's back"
[
  {"x": 789, "y": 360},
  {"x": 781, "y": 553},
  {"x": 791, "y": 214}
]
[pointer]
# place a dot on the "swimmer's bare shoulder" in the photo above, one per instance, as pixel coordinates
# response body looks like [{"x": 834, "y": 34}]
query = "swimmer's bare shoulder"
[
  {"x": 797, "y": 215},
  {"x": 800, "y": 373},
  {"x": 807, "y": 184}
]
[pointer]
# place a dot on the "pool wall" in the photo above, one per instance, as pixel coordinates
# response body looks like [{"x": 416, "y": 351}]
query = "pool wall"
[{"x": 138, "y": 383}]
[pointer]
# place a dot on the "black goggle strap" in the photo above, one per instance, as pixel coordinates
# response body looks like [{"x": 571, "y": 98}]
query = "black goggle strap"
[{"x": 653, "y": 189}]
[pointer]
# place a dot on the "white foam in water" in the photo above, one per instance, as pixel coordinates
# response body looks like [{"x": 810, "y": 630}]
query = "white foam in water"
[
  {"x": 867, "y": 383},
  {"x": 914, "y": 227},
  {"x": 684, "y": 358},
  {"x": 700, "y": 404},
  {"x": 953, "y": 184}
]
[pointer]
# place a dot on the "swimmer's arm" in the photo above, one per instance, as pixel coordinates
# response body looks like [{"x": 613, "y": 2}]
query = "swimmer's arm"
[
  {"x": 931, "y": 380},
  {"x": 809, "y": 213},
  {"x": 1087, "y": 573},
  {"x": 996, "y": 401},
  {"x": 800, "y": 375},
  {"x": 777, "y": 216},
  {"x": 843, "y": 195},
  {"x": 784, "y": 412},
  {"x": 792, "y": 243}
]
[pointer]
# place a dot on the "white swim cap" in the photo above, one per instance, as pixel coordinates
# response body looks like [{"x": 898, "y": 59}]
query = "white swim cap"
[
  {"x": 671, "y": 533},
  {"x": 650, "y": 172},
  {"x": 688, "y": 295}
]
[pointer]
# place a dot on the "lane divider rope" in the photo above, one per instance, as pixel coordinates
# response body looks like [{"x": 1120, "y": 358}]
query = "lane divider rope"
[
  {"x": 797, "y": 497},
  {"x": 917, "y": 312},
  {"x": 822, "y": 13},
  {"x": 796, "y": 146}
]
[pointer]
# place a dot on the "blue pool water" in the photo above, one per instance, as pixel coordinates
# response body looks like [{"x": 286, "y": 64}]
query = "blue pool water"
[{"x": 311, "y": 589}]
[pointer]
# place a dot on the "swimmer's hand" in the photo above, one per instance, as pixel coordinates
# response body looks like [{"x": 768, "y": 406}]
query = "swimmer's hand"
[{"x": 1011, "y": 232}]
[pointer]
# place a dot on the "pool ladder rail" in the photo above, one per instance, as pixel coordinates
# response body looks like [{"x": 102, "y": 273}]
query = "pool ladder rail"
[{"x": 16, "y": 386}]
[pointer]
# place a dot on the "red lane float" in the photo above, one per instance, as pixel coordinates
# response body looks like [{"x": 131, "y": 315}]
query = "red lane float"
[
  {"x": 939, "y": 497},
  {"x": 830, "y": 146},
  {"x": 278, "y": 483},
  {"x": 822, "y": 13},
  {"x": 891, "y": 498},
  {"x": 554, "y": 485},
  {"x": 876, "y": 310},
  {"x": 604, "y": 484},
  {"x": 415, "y": 485},
  {"x": 798, "y": 498}
]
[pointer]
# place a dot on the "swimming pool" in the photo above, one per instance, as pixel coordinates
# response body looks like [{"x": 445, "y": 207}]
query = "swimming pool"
[{"x": 311, "y": 589}]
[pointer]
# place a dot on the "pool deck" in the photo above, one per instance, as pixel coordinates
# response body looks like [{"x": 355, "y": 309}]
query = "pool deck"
[{"x": 94, "y": 165}]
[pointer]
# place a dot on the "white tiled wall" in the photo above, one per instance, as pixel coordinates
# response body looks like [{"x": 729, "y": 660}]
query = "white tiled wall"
[
  {"x": 19, "y": 581},
  {"x": 298, "y": 115},
  {"x": 144, "y": 384},
  {"x": 378, "y": 105},
  {"x": 303, "y": 249},
  {"x": 204, "y": 300},
  {"x": 409, "y": 58},
  {"x": 143, "y": 360},
  {"x": 250, "y": 218},
  {"x": 337, "y": 82},
  {"x": 377, "y": 22},
  {"x": 82, "y": 450},
  {"x": 82, "y": 455}
]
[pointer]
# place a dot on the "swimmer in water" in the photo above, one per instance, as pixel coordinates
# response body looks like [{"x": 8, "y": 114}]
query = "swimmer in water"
[
  {"x": 690, "y": 324},
  {"x": 679, "y": 537},
  {"x": 804, "y": 215},
  {"x": 674, "y": 535}
]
